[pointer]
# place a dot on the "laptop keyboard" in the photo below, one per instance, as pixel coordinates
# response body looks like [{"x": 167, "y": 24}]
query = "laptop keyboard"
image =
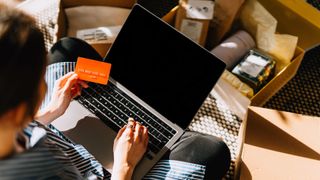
[{"x": 114, "y": 108}]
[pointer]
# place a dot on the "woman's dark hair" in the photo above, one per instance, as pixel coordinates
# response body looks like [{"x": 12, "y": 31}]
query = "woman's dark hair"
[{"x": 22, "y": 60}]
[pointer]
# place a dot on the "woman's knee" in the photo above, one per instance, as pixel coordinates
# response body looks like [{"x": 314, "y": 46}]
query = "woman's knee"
[
  {"x": 203, "y": 149},
  {"x": 219, "y": 160},
  {"x": 68, "y": 49}
]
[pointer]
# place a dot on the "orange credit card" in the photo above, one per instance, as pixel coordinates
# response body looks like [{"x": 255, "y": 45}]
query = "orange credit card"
[{"x": 92, "y": 70}]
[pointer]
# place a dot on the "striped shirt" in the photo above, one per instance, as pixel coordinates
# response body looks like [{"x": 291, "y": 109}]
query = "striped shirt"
[
  {"x": 45, "y": 157},
  {"x": 51, "y": 155}
]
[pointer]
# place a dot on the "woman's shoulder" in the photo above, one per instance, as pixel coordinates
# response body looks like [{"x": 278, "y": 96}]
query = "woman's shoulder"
[{"x": 39, "y": 160}]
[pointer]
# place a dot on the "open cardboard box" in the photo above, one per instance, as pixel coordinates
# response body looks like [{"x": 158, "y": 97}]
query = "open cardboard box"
[{"x": 297, "y": 18}]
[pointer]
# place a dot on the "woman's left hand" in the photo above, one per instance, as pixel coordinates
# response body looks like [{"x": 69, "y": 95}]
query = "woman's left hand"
[{"x": 65, "y": 89}]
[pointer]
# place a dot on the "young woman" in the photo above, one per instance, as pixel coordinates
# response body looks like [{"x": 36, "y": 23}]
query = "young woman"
[{"x": 31, "y": 148}]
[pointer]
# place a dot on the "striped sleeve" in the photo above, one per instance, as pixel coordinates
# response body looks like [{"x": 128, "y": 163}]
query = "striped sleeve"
[
  {"x": 82, "y": 160},
  {"x": 39, "y": 162},
  {"x": 54, "y": 72}
]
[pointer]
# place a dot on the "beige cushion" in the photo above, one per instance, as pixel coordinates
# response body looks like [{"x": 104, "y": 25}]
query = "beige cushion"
[{"x": 85, "y": 17}]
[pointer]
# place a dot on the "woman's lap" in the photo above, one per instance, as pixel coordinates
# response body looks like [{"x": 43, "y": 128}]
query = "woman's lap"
[
  {"x": 192, "y": 147},
  {"x": 202, "y": 149}
]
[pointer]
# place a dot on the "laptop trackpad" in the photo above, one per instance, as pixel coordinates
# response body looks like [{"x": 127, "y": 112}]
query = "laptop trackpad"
[{"x": 89, "y": 131}]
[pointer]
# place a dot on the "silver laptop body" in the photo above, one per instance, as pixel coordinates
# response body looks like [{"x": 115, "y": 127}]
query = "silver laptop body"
[{"x": 83, "y": 127}]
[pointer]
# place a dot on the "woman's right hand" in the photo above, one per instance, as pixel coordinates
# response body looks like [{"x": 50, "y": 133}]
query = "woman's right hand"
[
  {"x": 65, "y": 89},
  {"x": 128, "y": 148}
]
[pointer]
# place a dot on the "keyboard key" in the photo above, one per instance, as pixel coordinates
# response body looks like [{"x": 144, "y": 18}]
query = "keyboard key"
[{"x": 166, "y": 133}]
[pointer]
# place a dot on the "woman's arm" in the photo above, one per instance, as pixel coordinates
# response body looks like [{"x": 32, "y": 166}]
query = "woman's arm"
[{"x": 65, "y": 89}]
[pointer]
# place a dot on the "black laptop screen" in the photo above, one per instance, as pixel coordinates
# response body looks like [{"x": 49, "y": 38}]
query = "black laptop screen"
[{"x": 162, "y": 67}]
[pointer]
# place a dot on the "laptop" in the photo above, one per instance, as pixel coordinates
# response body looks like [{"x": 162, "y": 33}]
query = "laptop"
[{"x": 159, "y": 77}]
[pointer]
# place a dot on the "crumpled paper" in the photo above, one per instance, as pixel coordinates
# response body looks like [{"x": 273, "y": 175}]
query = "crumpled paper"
[
  {"x": 259, "y": 23},
  {"x": 243, "y": 88},
  {"x": 283, "y": 49},
  {"x": 262, "y": 25}
]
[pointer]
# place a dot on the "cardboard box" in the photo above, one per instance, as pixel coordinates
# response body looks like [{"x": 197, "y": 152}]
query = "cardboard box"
[
  {"x": 280, "y": 145},
  {"x": 296, "y": 18},
  {"x": 279, "y": 80},
  {"x": 55, "y": 24},
  {"x": 119, "y": 3},
  {"x": 192, "y": 23},
  {"x": 102, "y": 47}
]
